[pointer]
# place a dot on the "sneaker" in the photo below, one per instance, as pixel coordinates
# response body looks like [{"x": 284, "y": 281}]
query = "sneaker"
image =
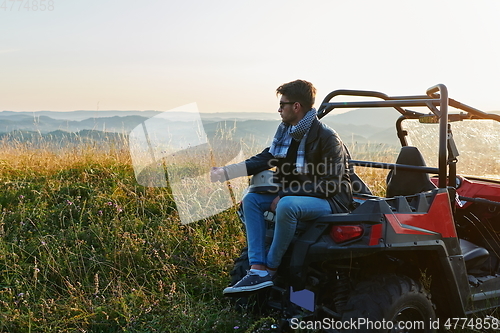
[{"x": 251, "y": 282}]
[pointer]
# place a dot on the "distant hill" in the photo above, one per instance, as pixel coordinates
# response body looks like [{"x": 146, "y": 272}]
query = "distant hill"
[
  {"x": 82, "y": 115},
  {"x": 46, "y": 124},
  {"x": 77, "y": 115},
  {"x": 375, "y": 117},
  {"x": 61, "y": 138},
  {"x": 374, "y": 125}
]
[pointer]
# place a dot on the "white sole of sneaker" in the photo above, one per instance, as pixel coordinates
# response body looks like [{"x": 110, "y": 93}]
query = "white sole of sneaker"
[{"x": 231, "y": 290}]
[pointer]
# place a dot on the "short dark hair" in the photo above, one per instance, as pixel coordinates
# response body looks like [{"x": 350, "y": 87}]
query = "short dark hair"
[{"x": 298, "y": 91}]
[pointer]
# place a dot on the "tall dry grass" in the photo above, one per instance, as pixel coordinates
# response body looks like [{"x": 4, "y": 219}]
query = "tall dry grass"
[{"x": 85, "y": 248}]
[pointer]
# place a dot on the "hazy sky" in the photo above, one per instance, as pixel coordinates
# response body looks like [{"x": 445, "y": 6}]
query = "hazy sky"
[{"x": 231, "y": 55}]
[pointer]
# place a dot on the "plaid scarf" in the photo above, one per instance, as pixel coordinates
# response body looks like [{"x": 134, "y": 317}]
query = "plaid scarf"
[{"x": 284, "y": 135}]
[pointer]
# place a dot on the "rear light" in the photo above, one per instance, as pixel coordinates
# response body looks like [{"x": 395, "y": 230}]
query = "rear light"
[{"x": 344, "y": 233}]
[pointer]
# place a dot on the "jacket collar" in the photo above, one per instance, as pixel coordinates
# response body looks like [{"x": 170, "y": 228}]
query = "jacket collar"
[{"x": 313, "y": 131}]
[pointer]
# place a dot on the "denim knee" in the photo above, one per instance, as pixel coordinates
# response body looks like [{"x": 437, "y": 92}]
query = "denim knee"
[
  {"x": 287, "y": 206},
  {"x": 250, "y": 198}
]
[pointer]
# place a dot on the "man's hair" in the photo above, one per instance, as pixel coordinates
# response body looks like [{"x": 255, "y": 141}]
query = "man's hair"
[{"x": 298, "y": 91}]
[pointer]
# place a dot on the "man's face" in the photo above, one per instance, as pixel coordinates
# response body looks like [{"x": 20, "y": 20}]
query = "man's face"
[{"x": 289, "y": 111}]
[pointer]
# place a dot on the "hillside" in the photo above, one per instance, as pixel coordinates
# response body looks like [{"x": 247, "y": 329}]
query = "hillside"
[
  {"x": 374, "y": 126},
  {"x": 63, "y": 139}
]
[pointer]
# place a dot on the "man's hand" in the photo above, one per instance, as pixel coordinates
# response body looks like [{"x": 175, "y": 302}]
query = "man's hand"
[
  {"x": 274, "y": 204},
  {"x": 217, "y": 175}
]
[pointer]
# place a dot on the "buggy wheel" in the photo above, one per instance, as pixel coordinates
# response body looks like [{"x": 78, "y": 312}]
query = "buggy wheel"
[
  {"x": 390, "y": 303},
  {"x": 255, "y": 303}
]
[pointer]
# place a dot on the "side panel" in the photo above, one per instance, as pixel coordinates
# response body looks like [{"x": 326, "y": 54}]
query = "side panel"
[
  {"x": 439, "y": 219},
  {"x": 433, "y": 230}
]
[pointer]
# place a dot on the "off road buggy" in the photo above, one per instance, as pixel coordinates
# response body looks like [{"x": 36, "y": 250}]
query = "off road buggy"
[{"x": 425, "y": 255}]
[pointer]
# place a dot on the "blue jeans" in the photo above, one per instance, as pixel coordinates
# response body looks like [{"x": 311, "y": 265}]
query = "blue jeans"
[{"x": 289, "y": 211}]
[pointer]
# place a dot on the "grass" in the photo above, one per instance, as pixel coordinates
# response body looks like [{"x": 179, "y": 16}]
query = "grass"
[{"x": 85, "y": 248}]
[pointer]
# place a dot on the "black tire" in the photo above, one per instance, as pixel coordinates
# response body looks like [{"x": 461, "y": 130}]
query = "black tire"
[
  {"x": 391, "y": 299},
  {"x": 254, "y": 303}
]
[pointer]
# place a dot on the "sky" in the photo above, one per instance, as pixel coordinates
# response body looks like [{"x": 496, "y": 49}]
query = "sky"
[{"x": 231, "y": 55}]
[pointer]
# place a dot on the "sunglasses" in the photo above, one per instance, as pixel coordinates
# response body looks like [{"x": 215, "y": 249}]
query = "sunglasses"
[{"x": 282, "y": 104}]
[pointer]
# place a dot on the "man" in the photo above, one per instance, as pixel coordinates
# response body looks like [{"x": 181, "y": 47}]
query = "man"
[{"x": 312, "y": 169}]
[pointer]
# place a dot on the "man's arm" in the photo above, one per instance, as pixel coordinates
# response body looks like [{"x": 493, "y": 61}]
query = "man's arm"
[{"x": 255, "y": 164}]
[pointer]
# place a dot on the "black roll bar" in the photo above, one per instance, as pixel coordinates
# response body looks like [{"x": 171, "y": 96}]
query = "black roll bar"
[
  {"x": 469, "y": 109},
  {"x": 432, "y": 100},
  {"x": 394, "y": 166},
  {"x": 326, "y": 106},
  {"x": 436, "y": 100},
  {"x": 443, "y": 131}
]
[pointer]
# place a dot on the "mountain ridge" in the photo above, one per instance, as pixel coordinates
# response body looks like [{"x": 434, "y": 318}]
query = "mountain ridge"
[{"x": 355, "y": 126}]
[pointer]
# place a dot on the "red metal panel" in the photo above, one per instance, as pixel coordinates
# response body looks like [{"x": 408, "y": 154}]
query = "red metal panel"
[
  {"x": 375, "y": 235},
  {"x": 439, "y": 219},
  {"x": 476, "y": 188}
]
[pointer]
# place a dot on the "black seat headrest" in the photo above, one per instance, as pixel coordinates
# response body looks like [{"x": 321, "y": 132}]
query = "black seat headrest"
[{"x": 401, "y": 182}]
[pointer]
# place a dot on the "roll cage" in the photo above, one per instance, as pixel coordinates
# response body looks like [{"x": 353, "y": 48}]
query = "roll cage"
[{"x": 438, "y": 102}]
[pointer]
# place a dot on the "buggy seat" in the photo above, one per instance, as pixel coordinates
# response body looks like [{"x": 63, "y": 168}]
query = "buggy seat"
[{"x": 404, "y": 183}]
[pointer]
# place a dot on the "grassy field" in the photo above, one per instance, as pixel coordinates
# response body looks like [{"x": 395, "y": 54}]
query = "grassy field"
[{"x": 84, "y": 248}]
